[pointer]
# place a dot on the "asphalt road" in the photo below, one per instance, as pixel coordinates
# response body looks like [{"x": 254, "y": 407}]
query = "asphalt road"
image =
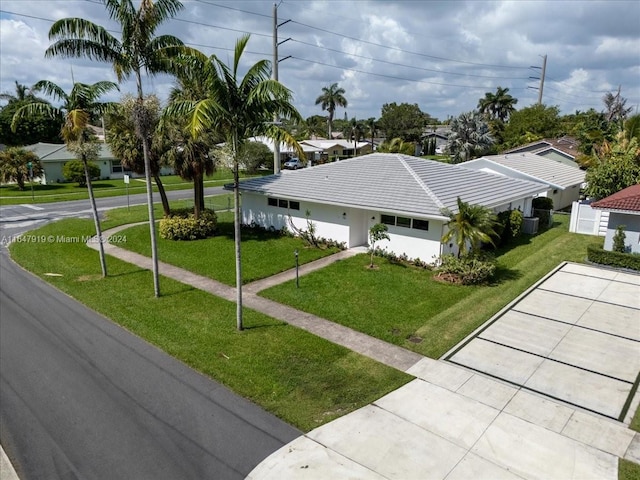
[{"x": 81, "y": 398}]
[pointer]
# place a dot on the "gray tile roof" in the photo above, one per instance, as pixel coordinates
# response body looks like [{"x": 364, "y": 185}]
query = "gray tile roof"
[
  {"x": 540, "y": 169},
  {"x": 393, "y": 183},
  {"x": 55, "y": 152}
]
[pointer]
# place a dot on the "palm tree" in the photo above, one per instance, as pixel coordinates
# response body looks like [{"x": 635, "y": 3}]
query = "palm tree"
[
  {"x": 190, "y": 158},
  {"x": 190, "y": 155},
  {"x": 354, "y": 131},
  {"x": 23, "y": 93},
  {"x": 77, "y": 108},
  {"x": 397, "y": 145},
  {"x": 139, "y": 49},
  {"x": 126, "y": 145},
  {"x": 470, "y": 226},
  {"x": 497, "y": 106},
  {"x": 616, "y": 109},
  {"x": 14, "y": 166},
  {"x": 332, "y": 97},
  {"x": 469, "y": 136},
  {"x": 237, "y": 108},
  {"x": 371, "y": 128}
]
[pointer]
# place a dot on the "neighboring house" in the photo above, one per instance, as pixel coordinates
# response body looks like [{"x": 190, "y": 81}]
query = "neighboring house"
[
  {"x": 624, "y": 209},
  {"x": 563, "y": 181},
  {"x": 441, "y": 135},
  {"x": 330, "y": 150},
  {"x": 286, "y": 152},
  {"x": 563, "y": 150},
  {"x": 345, "y": 199},
  {"x": 53, "y": 156}
]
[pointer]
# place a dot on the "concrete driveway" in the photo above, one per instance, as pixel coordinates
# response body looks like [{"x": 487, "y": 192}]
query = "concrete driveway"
[
  {"x": 575, "y": 338},
  {"x": 535, "y": 394}
]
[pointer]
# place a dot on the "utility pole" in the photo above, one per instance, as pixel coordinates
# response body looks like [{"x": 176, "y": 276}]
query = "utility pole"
[
  {"x": 276, "y": 120},
  {"x": 544, "y": 69}
]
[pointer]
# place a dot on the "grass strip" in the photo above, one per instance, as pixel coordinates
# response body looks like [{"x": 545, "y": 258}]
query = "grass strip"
[
  {"x": 628, "y": 470},
  {"x": 62, "y": 192},
  {"x": 301, "y": 378}
]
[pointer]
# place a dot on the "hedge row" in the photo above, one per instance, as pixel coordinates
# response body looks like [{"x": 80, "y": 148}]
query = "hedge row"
[{"x": 614, "y": 259}]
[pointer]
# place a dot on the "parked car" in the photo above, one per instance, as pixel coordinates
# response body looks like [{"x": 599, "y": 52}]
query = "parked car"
[{"x": 293, "y": 164}]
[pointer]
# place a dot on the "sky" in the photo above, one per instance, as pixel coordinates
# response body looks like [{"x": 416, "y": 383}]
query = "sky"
[{"x": 442, "y": 55}]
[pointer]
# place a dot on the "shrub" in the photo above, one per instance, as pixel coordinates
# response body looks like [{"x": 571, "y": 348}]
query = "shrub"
[
  {"x": 467, "y": 270},
  {"x": 402, "y": 259},
  {"x": 509, "y": 226},
  {"x": 73, "y": 171},
  {"x": 516, "y": 219},
  {"x": 618, "y": 239},
  {"x": 182, "y": 225},
  {"x": 597, "y": 254},
  {"x": 542, "y": 203}
]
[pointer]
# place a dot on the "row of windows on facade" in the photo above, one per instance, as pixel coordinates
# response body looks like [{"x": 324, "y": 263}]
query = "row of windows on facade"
[{"x": 392, "y": 220}]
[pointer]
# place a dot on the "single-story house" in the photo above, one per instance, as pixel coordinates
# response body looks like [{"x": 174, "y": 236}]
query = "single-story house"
[
  {"x": 345, "y": 199},
  {"x": 624, "y": 209},
  {"x": 53, "y": 156},
  {"x": 563, "y": 149},
  {"x": 563, "y": 181},
  {"x": 330, "y": 150},
  {"x": 286, "y": 151}
]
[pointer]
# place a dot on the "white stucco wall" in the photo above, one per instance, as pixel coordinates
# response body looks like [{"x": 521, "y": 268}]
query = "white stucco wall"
[
  {"x": 328, "y": 220},
  {"x": 348, "y": 225},
  {"x": 631, "y": 230}
]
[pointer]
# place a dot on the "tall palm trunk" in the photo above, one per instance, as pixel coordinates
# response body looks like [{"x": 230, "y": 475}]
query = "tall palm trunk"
[
  {"x": 96, "y": 218},
  {"x": 143, "y": 131},
  {"x": 237, "y": 232},
  {"x": 163, "y": 195},
  {"x": 198, "y": 195}
]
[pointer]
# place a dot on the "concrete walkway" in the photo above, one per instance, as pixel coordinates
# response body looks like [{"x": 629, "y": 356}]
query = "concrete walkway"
[
  {"x": 383, "y": 352},
  {"x": 450, "y": 422}
]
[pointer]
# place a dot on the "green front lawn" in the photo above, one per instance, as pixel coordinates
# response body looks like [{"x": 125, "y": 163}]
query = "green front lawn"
[
  {"x": 61, "y": 192},
  {"x": 263, "y": 254},
  {"x": 303, "y": 379},
  {"x": 406, "y": 306}
]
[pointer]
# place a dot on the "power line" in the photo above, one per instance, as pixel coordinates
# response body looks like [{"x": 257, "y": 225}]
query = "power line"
[
  {"x": 407, "y": 66},
  {"x": 407, "y": 51},
  {"x": 393, "y": 77}
]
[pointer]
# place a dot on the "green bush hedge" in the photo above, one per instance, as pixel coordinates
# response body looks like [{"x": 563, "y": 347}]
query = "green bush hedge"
[
  {"x": 542, "y": 203},
  {"x": 467, "y": 270},
  {"x": 182, "y": 225},
  {"x": 597, "y": 254}
]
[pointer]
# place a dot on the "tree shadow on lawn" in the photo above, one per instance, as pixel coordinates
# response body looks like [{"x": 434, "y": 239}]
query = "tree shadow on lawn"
[
  {"x": 247, "y": 233},
  {"x": 503, "y": 275}
]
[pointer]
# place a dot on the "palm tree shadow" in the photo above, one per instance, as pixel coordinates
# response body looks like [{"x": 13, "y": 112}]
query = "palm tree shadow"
[{"x": 503, "y": 275}]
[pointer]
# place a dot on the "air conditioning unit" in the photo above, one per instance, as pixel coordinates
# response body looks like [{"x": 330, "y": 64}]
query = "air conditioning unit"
[{"x": 530, "y": 225}]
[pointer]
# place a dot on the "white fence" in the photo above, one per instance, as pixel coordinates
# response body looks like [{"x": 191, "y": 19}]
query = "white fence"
[{"x": 587, "y": 220}]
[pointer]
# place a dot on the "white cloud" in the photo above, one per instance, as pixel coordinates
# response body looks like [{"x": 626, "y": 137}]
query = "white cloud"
[{"x": 591, "y": 46}]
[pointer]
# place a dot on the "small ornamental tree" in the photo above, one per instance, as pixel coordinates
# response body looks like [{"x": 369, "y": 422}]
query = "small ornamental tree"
[
  {"x": 14, "y": 166},
  {"x": 618, "y": 239},
  {"x": 377, "y": 233}
]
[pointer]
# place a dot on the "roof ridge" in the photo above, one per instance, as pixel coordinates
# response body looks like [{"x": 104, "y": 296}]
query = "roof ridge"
[{"x": 424, "y": 187}]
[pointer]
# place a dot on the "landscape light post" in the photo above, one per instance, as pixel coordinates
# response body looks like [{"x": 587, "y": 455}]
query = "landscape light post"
[
  {"x": 297, "y": 276},
  {"x": 30, "y": 165}
]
